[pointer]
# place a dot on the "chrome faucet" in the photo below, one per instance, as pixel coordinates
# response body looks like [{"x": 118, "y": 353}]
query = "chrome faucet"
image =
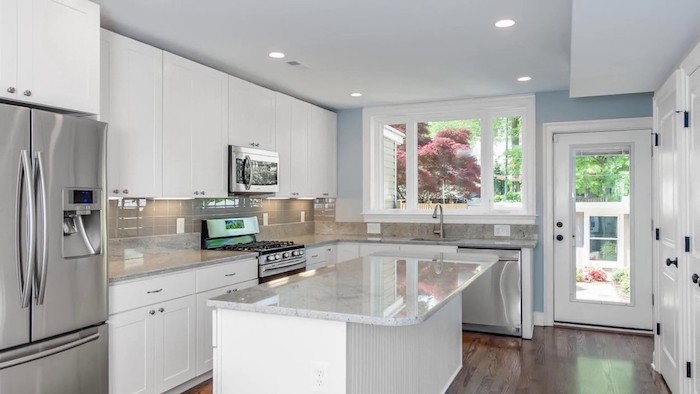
[{"x": 441, "y": 231}]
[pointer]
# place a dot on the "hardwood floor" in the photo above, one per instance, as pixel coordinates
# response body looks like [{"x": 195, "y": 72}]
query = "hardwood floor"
[{"x": 556, "y": 360}]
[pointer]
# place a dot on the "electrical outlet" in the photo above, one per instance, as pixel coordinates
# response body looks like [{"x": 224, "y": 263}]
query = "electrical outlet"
[
  {"x": 303, "y": 216},
  {"x": 374, "y": 228},
  {"x": 501, "y": 230},
  {"x": 319, "y": 374},
  {"x": 180, "y": 225},
  {"x": 265, "y": 218}
]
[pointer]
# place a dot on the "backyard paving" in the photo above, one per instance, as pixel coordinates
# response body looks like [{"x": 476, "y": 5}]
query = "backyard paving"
[{"x": 600, "y": 291}]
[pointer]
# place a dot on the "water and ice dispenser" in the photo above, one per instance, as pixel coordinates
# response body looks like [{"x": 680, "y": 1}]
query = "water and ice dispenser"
[{"x": 82, "y": 222}]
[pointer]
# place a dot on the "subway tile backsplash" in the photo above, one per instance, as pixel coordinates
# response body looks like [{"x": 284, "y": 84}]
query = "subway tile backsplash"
[{"x": 139, "y": 217}]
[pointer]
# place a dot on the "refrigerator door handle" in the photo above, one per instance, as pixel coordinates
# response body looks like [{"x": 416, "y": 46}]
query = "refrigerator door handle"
[
  {"x": 48, "y": 352},
  {"x": 40, "y": 174},
  {"x": 24, "y": 179}
]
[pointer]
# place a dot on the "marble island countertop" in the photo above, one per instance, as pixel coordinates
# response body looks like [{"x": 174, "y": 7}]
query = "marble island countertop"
[
  {"x": 136, "y": 264},
  {"x": 390, "y": 289},
  {"x": 313, "y": 240}
]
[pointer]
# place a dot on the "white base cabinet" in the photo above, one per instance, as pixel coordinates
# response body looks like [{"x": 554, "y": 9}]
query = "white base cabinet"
[{"x": 320, "y": 256}]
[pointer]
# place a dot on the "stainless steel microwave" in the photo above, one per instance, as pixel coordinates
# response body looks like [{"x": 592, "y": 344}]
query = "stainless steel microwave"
[{"x": 252, "y": 170}]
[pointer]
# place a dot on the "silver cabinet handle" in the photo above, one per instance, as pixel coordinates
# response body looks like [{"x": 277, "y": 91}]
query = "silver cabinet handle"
[
  {"x": 154, "y": 291},
  {"x": 11, "y": 89},
  {"x": 325, "y": 194},
  {"x": 27, "y": 93},
  {"x": 231, "y": 291},
  {"x": 151, "y": 312},
  {"x": 24, "y": 175},
  {"x": 48, "y": 352},
  {"x": 39, "y": 172},
  {"x": 161, "y": 310},
  {"x": 314, "y": 255},
  {"x": 125, "y": 191},
  {"x": 115, "y": 191},
  {"x": 196, "y": 193}
]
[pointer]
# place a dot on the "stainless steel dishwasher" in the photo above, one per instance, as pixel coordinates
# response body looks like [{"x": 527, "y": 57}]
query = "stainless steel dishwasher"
[{"x": 493, "y": 302}]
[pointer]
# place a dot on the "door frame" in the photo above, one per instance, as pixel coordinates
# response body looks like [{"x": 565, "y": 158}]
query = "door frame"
[{"x": 548, "y": 132}]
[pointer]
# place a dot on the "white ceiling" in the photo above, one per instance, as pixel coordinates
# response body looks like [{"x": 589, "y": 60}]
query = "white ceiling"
[
  {"x": 624, "y": 46},
  {"x": 402, "y": 51}
]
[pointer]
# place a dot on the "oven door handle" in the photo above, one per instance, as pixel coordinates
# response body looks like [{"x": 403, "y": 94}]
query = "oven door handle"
[
  {"x": 247, "y": 163},
  {"x": 270, "y": 267}
]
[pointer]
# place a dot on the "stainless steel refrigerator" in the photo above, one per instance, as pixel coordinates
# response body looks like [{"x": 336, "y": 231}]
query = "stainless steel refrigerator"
[{"x": 53, "y": 267}]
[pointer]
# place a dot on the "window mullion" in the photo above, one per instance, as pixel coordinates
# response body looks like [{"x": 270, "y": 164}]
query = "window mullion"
[
  {"x": 411, "y": 165},
  {"x": 487, "y": 162}
]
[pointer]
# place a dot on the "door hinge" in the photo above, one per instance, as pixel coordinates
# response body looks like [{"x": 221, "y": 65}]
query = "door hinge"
[
  {"x": 658, "y": 234},
  {"x": 686, "y": 119},
  {"x": 688, "y": 370},
  {"x": 658, "y": 328},
  {"x": 687, "y": 244}
]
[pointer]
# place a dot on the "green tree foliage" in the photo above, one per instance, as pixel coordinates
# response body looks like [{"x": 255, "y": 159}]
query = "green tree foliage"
[
  {"x": 508, "y": 158},
  {"x": 604, "y": 177}
]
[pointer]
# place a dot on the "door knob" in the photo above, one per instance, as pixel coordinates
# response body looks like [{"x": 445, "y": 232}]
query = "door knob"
[
  {"x": 560, "y": 237},
  {"x": 674, "y": 262},
  {"x": 11, "y": 89},
  {"x": 695, "y": 278}
]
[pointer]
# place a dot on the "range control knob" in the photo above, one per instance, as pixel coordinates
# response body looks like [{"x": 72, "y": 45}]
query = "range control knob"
[
  {"x": 278, "y": 256},
  {"x": 270, "y": 257},
  {"x": 301, "y": 252},
  {"x": 295, "y": 253},
  {"x": 285, "y": 254}
]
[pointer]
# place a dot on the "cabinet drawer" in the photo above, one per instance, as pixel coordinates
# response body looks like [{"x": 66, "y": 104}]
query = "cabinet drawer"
[
  {"x": 123, "y": 297},
  {"x": 226, "y": 274},
  {"x": 316, "y": 255}
]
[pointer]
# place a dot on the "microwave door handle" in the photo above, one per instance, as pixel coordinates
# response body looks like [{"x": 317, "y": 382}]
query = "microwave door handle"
[{"x": 247, "y": 163}]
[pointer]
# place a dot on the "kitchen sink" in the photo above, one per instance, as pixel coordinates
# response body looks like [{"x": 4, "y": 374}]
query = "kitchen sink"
[{"x": 436, "y": 239}]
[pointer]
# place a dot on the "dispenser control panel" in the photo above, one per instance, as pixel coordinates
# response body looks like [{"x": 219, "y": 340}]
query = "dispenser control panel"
[
  {"x": 83, "y": 197},
  {"x": 82, "y": 200}
]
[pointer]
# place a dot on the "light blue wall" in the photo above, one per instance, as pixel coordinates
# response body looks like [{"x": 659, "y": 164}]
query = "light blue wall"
[
  {"x": 558, "y": 107},
  {"x": 550, "y": 107}
]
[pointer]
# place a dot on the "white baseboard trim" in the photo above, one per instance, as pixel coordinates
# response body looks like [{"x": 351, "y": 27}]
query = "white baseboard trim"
[{"x": 539, "y": 320}]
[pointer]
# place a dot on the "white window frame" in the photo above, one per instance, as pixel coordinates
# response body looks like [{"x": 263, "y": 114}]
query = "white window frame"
[{"x": 374, "y": 119}]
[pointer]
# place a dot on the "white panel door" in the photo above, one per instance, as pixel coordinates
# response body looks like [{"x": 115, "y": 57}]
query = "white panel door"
[
  {"x": 694, "y": 226},
  {"x": 175, "y": 343},
  {"x": 209, "y": 113},
  {"x": 131, "y": 351},
  {"x": 132, "y": 76},
  {"x": 668, "y": 163},
  {"x": 283, "y": 138},
  {"x": 8, "y": 49},
  {"x": 300, "y": 185},
  {"x": 323, "y": 152},
  {"x": 205, "y": 352},
  {"x": 251, "y": 115},
  {"x": 602, "y": 211},
  {"x": 59, "y": 54}
]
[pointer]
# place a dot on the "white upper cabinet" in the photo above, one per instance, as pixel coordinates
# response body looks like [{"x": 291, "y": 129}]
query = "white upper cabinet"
[
  {"x": 195, "y": 126},
  {"x": 57, "y": 53},
  {"x": 293, "y": 119},
  {"x": 323, "y": 152},
  {"x": 251, "y": 115},
  {"x": 132, "y": 103}
]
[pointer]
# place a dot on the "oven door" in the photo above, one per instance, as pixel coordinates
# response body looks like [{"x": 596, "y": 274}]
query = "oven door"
[{"x": 253, "y": 170}]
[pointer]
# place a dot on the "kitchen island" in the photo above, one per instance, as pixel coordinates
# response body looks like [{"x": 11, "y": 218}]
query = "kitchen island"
[{"x": 378, "y": 324}]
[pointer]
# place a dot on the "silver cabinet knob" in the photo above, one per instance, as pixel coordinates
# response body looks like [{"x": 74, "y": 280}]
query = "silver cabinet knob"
[
  {"x": 115, "y": 191},
  {"x": 252, "y": 144},
  {"x": 151, "y": 312},
  {"x": 125, "y": 191},
  {"x": 202, "y": 192},
  {"x": 231, "y": 291},
  {"x": 161, "y": 310},
  {"x": 196, "y": 193},
  {"x": 11, "y": 89},
  {"x": 27, "y": 93}
]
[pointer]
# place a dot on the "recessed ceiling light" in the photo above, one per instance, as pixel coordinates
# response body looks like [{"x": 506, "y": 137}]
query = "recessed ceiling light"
[
  {"x": 524, "y": 79},
  {"x": 276, "y": 55},
  {"x": 355, "y": 94},
  {"x": 505, "y": 23}
]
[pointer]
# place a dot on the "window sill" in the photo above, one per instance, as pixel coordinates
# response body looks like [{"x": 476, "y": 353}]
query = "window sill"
[{"x": 426, "y": 217}]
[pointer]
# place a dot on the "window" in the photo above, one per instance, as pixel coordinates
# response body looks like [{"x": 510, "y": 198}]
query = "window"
[{"x": 474, "y": 157}]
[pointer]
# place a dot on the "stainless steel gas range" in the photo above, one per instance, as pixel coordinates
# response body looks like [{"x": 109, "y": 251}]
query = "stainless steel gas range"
[{"x": 276, "y": 259}]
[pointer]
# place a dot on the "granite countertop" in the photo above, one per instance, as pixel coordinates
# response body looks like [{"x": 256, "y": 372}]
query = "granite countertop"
[
  {"x": 135, "y": 265},
  {"x": 389, "y": 289},
  {"x": 323, "y": 239}
]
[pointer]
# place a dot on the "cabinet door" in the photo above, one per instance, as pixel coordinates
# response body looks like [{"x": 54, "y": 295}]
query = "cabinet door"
[
  {"x": 59, "y": 54},
  {"x": 283, "y": 136},
  {"x": 209, "y": 134},
  {"x": 8, "y": 49},
  {"x": 205, "y": 352},
  {"x": 251, "y": 115},
  {"x": 175, "y": 343},
  {"x": 131, "y": 351},
  {"x": 322, "y": 152},
  {"x": 299, "y": 156},
  {"x": 132, "y": 80},
  {"x": 179, "y": 98},
  {"x": 347, "y": 252},
  {"x": 331, "y": 254}
]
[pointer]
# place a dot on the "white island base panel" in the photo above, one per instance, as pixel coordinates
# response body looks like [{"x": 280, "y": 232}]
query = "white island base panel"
[{"x": 268, "y": 353}]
